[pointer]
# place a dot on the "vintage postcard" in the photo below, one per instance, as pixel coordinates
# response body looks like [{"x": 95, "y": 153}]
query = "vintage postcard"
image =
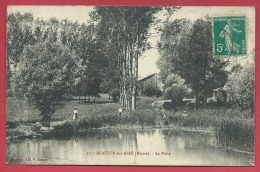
[{"x": 130, "y": 85}]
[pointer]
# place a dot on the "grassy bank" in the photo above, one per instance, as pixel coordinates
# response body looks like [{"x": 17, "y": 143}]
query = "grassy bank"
[
  {"x": 233, "y": 128},
  {"x": 18, "y": 110}
]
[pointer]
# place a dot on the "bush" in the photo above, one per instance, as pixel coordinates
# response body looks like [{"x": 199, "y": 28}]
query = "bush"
[
  {"x": 175, "y": 89},
  {"x": 151, "y": 90},
  {"x": 175, "y": 93},
  {"x": 115, "y": 93},
  {"x": 145, "y": 102},
  {"x": 63, "y": 131},
  {"x": 242, "y": 87},
  {"x": 221, "y": 97}
]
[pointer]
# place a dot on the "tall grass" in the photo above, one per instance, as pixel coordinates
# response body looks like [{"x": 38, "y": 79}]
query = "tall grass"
[
  {"x": 236, "y": 133},
  {"x": 233, "y": 128},
  {"x": 145, "y": 102},
  {"x": 204, "y": 117},
  {"x": 144, "y": 117}
]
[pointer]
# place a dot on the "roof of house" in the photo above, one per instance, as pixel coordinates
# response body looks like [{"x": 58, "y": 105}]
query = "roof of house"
[{"x": 147, "y": 77}]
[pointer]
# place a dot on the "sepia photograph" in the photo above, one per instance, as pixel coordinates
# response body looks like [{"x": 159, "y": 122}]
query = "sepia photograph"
[{"x": 130, "y": 85}]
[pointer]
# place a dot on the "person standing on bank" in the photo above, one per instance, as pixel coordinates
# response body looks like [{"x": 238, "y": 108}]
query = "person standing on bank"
[
  {"x": 75, "y": 115},
  {"x": 120, "y": 111}
]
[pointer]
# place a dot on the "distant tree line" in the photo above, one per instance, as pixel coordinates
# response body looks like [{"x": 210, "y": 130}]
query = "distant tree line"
[
  {"x": 51, "y": 59},
  {"x": 24, "y": 30}
]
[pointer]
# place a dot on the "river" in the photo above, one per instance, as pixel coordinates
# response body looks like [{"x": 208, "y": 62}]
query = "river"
[{"x": 130, "y": 147}]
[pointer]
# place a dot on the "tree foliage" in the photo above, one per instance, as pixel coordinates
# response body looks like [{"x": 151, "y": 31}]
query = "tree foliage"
[
  {"x": 151, "y": 90},
  {"x": 23, "y": 30},
  {"x": 175, "y": 89},
  {"x": 47, "y": 72},
  {"x": 19, "y": 35},
  {"x": 125, "y": 29},
  {"x": 171, "y": 34},
  {"x": 241, "y": 86},
  {"x": 190, "y": 55}
]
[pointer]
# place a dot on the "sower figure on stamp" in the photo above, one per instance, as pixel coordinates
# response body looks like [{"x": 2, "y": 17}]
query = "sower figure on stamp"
[{"x": 226, "y": 33}]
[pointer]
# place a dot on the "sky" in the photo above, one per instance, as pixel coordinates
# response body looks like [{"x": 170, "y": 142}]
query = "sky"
[{"x": 147, "y": 62}]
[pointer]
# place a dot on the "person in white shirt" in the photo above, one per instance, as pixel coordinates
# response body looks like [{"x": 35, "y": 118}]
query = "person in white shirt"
[
  {"x": 185, "y": 114},
  {"x": 75, "y": 114},
  {"x": 120, "y": 110}
]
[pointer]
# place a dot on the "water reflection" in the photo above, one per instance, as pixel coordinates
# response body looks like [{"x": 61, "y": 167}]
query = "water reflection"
[{"x": 131, "y": 147}]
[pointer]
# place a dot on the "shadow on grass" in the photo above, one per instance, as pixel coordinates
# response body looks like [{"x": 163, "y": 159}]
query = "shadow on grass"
[{"x": 96, "y": 102}]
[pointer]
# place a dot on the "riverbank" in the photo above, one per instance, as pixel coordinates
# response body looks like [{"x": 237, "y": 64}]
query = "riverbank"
[
  {"x": 232, "y": 127},
  {"x": 65, "y": 129}
]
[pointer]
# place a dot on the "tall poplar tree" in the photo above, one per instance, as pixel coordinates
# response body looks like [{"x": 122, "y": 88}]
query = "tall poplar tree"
[{"x": 125, "y": 30}]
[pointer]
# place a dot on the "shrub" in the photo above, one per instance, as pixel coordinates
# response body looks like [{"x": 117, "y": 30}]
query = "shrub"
[
  {"x": 175, "y": 89},
  {"x": 115, "y": 93},
  {"x": 63, "y": 131},
  {"x": 176, "y": 93},
  {"x": 36, "y": 128},
  {"x": 151, "y": 90},
  {"x": 242, "y": 87},
  {"x": 221, "y": 97},
  {"x": 145, "y": 102}
]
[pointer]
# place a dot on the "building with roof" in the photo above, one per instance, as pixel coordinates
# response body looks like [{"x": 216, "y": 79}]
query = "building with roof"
[{"x": 153, "y": 79}]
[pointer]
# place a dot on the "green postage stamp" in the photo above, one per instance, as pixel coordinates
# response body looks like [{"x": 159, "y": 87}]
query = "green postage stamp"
[{"x": 229, "y": 35}]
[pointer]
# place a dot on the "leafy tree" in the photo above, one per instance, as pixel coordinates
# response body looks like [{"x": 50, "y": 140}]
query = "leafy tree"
[
  {"x": 19, "y": 35},
  {"x": 175, "y": 89},
  {"x": 191, "y": 56},
  {"x": 94, "y": 73},
  {"x": 83, "y": 40},
  {"x": 77, "y": 38},
  {"x": 46, "y": 72},
  {"x": 171, "y": 34},
  {"x": 173, "y": 79},
  {"x": 125, "y": 29},
  {"x": 242, "y": 87}
]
